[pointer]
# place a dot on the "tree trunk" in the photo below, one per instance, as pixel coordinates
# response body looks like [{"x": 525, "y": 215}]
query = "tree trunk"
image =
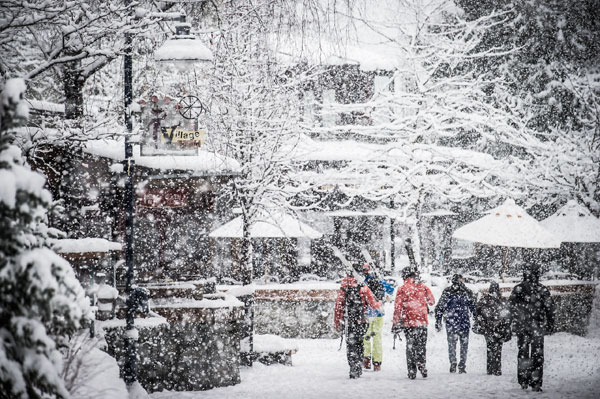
[
  {"x": 247, "y": 327},
  {"x": 73, "y": 90}
]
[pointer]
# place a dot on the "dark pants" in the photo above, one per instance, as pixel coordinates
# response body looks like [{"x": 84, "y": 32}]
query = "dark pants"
[
  {"x": 416, "y": 348},
  {"x": 494, "y": 355},
  {"x": 354, "y": 350},
  {"x": 453, "y": 338},
  {"x": 530, "y": 361}
]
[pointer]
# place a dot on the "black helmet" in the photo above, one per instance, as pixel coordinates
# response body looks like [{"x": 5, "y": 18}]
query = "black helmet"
[
  {"x": 409, "y": 272},
  {"x": 456, "y": 278}
]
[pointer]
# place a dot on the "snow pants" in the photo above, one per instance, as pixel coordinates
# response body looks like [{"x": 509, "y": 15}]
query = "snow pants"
[
  {"x": 494, "y": 355},
  {"x": 354, "y": 349},
  {"x": 453, "y": 338},
  {"x": 416, "y": 348},
  {"x": 530, "y": 361},
  {"x": 372, "y": 341}
]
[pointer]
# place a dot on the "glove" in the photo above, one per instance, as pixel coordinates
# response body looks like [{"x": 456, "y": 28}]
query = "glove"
[
  {"x": 438, "y": 326},
  {"x": 396, "y": 329}
]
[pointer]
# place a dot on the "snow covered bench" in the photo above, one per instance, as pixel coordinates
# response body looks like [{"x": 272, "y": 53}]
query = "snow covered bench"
[{"x": 270, "y": 349}]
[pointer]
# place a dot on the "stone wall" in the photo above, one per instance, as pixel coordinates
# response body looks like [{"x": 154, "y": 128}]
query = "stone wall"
[
  {"x": 195, "y": 348},
  {"x": 298, "y": 313}
]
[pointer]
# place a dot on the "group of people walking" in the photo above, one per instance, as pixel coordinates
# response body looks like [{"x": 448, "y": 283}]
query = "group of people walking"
[{"x": 528, "y": 313}]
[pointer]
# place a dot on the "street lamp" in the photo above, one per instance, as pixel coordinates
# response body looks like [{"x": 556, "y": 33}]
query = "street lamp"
[{"x": 183, "y": 47}]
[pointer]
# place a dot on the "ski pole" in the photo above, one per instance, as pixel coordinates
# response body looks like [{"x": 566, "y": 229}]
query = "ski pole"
[{"x": 394, "y": 347}]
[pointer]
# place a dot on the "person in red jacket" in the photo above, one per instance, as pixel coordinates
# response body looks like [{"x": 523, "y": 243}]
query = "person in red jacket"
[
  {"x": 350, "y": 315},
  {"x": 410, "y": 315}
]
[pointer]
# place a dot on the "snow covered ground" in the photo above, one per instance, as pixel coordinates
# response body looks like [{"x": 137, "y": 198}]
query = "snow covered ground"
[{"x": 572, "y": 370}]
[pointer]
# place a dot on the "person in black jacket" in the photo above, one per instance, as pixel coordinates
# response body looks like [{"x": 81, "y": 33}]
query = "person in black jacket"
[
  {"x": 455, "y": 305},
  {"x": 492, "y": 319},
  {"x": 532, "y": 316}
]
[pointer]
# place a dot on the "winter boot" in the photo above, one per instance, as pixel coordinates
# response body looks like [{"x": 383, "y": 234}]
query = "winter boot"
[
  {"x": 367, "y": 363},
  {"x": 376, "y": 366},
  {"x": 462, "y": 370},
  {"x": 422, "y": 369},
  {"x": 453, "y": 368}
]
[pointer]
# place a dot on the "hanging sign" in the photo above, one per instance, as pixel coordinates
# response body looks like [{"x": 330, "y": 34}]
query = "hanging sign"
[
  {"x": 172, "y": 127},
  {"x": 177, "y": 135}
]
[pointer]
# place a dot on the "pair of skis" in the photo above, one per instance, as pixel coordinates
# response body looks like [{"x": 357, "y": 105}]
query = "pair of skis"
[{"x": 359, "y": 277}]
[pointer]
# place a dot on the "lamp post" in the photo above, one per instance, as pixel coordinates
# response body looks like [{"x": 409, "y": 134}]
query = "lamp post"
[{"x": 188, "y": 49}]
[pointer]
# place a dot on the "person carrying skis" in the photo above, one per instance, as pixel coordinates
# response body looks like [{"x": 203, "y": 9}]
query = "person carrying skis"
[
  {"x": 455, "y": 305},
  {"x": 492, "y": 319},
  {"x": 410, "y": 314},
  {"x": 372, "y": 341},
  {"x": 350, "y": 315},
  {"x": 532, "y": 315}
]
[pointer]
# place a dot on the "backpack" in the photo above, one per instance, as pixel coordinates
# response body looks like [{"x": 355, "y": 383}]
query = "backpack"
[
  {"x": 376, "y": 287},
  {"x": 355, "y": 311}
]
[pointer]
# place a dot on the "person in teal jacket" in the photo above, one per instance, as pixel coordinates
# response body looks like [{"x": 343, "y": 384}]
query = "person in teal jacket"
[{"x": 373, "y": 349}]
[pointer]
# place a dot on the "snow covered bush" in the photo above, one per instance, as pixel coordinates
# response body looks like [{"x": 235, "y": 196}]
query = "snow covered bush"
[
  {"x": 89, "y": 372},
  {"x": 41, "y": 301}
]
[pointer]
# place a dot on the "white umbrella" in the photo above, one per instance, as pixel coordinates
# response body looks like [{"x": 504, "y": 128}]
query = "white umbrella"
[
  {"x": 573, "y": 223},
  {"x": 274, "y": 225},
  {"x": 509, "y": 226}
]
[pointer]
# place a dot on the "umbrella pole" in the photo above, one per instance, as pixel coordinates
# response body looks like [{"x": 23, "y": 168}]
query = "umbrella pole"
[{"x": 503, "y": 269}]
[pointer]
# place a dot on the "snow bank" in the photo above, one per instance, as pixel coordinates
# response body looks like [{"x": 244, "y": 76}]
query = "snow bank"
[
  {"x": 83, "y": 245},
  {"x": 93, "y": 374}
]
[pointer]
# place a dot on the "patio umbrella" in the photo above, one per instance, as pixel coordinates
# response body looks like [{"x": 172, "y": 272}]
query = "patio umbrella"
[
  {"x": 508, "y": 226},
  {"x": 573, "y": 223}
]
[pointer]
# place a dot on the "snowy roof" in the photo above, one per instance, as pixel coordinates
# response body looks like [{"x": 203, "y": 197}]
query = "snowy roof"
[
  {"x": 573, "y": 223},
  {"x": 273, "y": 225},
  {"x": 83, "y": 245},
  {"x": 46, "y": 106},
  {"x": 510, "y": 226},
  {"x": 183, "y": 48},
  {"x": 307, "y": 149},
  {"x": 206, "y": 162}
]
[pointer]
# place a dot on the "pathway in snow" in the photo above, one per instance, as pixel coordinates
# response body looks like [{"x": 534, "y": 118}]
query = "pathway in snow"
[{"x": 572, "y": 370}]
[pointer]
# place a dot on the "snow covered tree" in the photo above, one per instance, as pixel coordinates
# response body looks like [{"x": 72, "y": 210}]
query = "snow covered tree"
[
  {"x": 41, "y": 301},
  {"x": 441, "y": 132},
  {"x": 554, "y": 73},
  {"x": 253, "y": 119}
]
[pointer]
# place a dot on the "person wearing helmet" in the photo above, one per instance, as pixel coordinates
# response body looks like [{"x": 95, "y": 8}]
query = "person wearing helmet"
[
  {"x": 532, "y": 316},
  {"x": 492, "y": 319},
  {"x": 372, "y": 341},
  {"x": 455, "y": 306},
  {"x": 350, "y": 316},
  {"x": 410, "y": 315}
]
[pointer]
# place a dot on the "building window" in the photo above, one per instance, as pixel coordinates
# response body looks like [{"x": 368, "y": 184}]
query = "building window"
[
  {"x": 309, "y": 106},
  {"x": 382, "y": 84},
  {"x": 329, "y": 115}
]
